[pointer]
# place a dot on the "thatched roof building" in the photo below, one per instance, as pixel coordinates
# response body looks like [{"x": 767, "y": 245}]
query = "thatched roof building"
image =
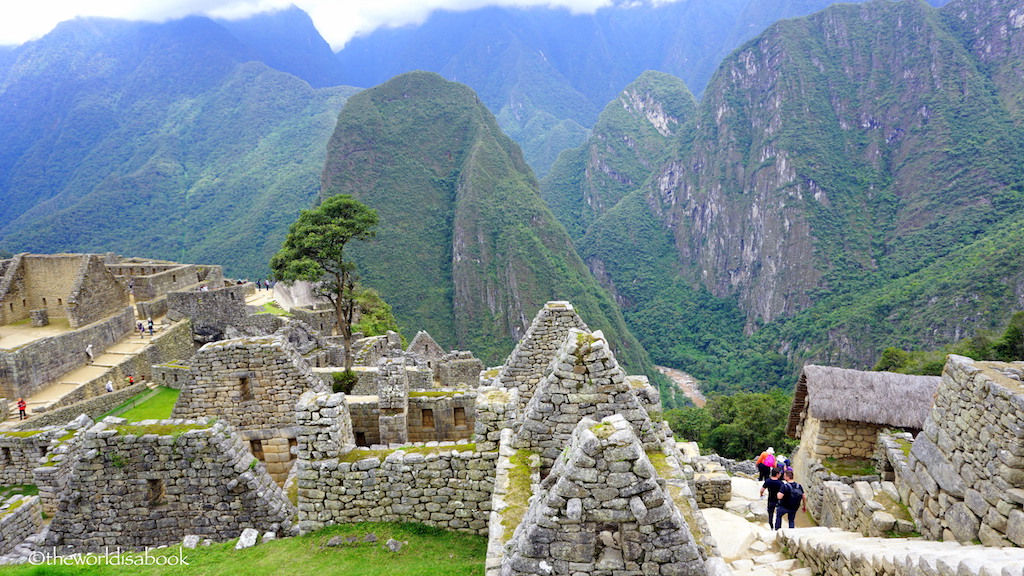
[{"x": 883, "y": 398}]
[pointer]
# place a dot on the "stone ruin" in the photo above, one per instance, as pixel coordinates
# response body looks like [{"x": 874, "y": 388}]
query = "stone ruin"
[
  {"x": 602, "y": 511},
  {"x": 153, "y": 482}
]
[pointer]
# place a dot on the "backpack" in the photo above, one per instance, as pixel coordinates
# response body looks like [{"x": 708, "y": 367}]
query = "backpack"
[
  {"x": 795, "y": 494},
  {"x": 769, "y": 461}
]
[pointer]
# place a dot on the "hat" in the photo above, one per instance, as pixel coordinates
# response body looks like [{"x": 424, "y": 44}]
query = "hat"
[{"x": 771, "y": 450}]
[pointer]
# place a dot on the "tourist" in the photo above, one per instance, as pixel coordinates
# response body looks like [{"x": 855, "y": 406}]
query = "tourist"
[
  {"x": 151, "y": 327},
  {"x": 765, "y": 462},
  {"x": 791, "y": 497},
  {"x": 88, "y": 352},
  {"x": 772, "y": 485},
  {"x": 21, "y": 409},
  {"x": 110, "y": 385},
  {"x": 141, "y": 328}
]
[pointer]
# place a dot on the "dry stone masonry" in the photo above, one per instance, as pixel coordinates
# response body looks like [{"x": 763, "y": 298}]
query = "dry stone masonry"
[
  {"x": 153, "y": 482},
  {"x": 965, "y": 477},
  {"x": 602, "y": 511},
  {"x": 529, "y": 361},
  {"x": 20, "y": 517}
]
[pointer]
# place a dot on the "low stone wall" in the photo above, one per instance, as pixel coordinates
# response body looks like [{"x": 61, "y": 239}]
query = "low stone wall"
[
  {"x": 892, "y": 454},
  {"x": 448, "y": 487},
  {"x": 173, "y": 375},
  {"x": 814, "y": 479},
  {"x": 20, "y": 452},
  {"x": 496, "y": 410},
  {"x": 441, "y": 418},
  {"x": 210, "y": 310},
  {"x": 25, "y": 371},
  {"x": 713, "y": 486},
  {"x": 153, "y": 308},
  {"x": 865, "y": 508},
  {"x": 93, "y": 408},
  {"x": 20, "y": 517},
  {"x": 965, "y": 473}
]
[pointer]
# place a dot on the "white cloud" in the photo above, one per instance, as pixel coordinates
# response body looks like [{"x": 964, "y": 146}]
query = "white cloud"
[{"x": 337, "y": 20}]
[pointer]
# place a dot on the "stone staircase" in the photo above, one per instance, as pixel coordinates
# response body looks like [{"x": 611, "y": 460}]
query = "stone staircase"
[{"x": 833, "y": 552}]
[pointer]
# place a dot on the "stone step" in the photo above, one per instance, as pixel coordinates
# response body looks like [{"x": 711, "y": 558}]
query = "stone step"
[{"x": 850, "y": 552}]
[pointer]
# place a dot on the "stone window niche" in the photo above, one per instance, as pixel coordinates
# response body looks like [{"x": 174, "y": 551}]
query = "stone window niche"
[
  {"x": 361, "y": 439},
  {"x": 156, "y": 493},
  {"x": 244, "y": 389},
  {"x": 256, "y": 447},
  {"x": 460, "y": 417},
  {"x": 5, "y": 455},
  {"x": 428, "y": 418}
]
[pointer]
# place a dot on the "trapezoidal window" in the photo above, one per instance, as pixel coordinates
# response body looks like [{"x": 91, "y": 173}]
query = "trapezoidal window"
[
  {"x": 244, "y": 389},
  {"x": 292, "y": 443},
  {"x": 428, "y": 418},
  {"x": 256, "y": 447},
  {"x": 156, "y": 494},
  {"x": 44, "y": 302},
  {"x": 361, "y": 439},
  {"x": 5, "y": 455},
  {"x": 460, "y": 417}
]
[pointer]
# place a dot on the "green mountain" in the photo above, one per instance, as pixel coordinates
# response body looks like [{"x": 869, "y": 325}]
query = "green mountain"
[
  {"x": 849, "y": 181},
  {"x": 466, "y": 248},
  {"x": 164, "y": 140}
]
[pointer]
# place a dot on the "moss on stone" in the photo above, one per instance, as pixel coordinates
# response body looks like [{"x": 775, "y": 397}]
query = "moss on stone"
[
  {"x": 21, "y": 433},
  {"x": 432, "y": 393},
  {"x": 520, "y": 488},
  {"x": 158, "y": 429},
  {"x": 364, "y": 453},
  {"x": 849, "y": 467}
]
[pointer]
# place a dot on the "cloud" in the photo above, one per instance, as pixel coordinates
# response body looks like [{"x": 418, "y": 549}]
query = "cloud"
[{"x": 337, "y": 20}]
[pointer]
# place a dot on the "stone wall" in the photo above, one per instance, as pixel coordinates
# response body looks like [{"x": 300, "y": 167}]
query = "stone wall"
[
  {"x": 4, "y": 409},
  {"x": 25, "y": 371},
  {"x": 253, "y": 383},
  {"x": 152, "y": 483},
  {"x": 965, "y": 477},
  {"x": 95, "y": 294},
  {"x": 871, "y": 509},
  {"x": 212, "y": 310},
  {"x": 842, "y": 439},
  {"x": 153, "y": 281},
  {"x": 93, "y": 408},
  {"x": 459, "y": 369},
  {"x": 322, "y": 320},
  {"x": 365, "y": 414},
  {"x": 35, "y": 281},
  {"x": 20, "y": 453},
  {"x": 448, "y": 486},
  {"x": 496, "y": 409},
  {"x": 20, "y": 517},
  {"x": 451, "y": 416},
  {"x": 173, "y": 342},
  {"x": 173, "y": 375}
]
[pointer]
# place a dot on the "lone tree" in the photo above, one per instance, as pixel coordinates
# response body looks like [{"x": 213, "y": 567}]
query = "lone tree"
[{"x": 314, "y": 250}]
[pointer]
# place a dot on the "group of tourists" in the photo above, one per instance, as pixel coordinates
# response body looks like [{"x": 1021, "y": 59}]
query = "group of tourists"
[{"x": 785, "y": 495}]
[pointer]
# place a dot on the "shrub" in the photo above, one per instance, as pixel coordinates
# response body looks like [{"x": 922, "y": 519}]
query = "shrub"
[{"x": 344, "y": 381}]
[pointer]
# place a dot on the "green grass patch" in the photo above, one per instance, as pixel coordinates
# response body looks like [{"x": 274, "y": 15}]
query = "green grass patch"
[
  {"x": 23, "y": 489},
  {"x": 429, "y": 551},
  {"x": 159, "y": 429},
  {"x": 157, "y": 406},
  {"x": 520, "y": 488},
  {"x": 21, "y": 433},
  {"x": 274, "y": 308},
  {"x": 849, "y": 467},
  {"x": 362, "y": 453},
  {"x": 432, "y": 393},
  {"x": 905, "y": 445}
]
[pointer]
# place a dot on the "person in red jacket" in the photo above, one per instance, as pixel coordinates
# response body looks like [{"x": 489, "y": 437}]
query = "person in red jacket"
[{"x": 21, "y": 409}]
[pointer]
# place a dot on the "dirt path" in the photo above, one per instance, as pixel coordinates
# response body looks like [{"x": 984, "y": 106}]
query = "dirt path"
[{"x": 686, "y": 383}]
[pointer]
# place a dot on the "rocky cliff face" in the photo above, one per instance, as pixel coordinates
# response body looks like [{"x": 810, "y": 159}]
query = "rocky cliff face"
[{"x": 831, "y": 148}]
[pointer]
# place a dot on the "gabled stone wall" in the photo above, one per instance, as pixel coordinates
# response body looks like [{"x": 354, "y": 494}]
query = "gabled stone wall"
[
  {"x": 253, "y": 383},
  {"x": 151, "y": 483}
]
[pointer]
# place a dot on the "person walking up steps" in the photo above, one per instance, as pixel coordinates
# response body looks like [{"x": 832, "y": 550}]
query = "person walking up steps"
[
  {"x": 772, "y": 485},
  {"x": 765, "y": 462},
  {"x": 21, "y": 409},
  {"x": 791, "y": 496},
  {"x": 150, "y": 327}
]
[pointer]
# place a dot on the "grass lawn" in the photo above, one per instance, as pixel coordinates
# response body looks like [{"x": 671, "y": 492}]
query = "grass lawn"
[
  {"x": 26, "y": 489},
  {"x": 429, "y": 551},
  {"x": 147, "y": 405}
]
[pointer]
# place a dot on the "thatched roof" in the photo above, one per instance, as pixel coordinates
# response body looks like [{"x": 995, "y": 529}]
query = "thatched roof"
[{"x": 886, "y": 398}]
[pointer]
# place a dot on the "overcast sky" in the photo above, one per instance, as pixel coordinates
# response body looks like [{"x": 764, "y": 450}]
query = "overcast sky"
[{"x": 337, "y": 20}]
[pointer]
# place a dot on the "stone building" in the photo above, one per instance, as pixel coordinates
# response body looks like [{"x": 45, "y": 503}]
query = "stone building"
[
  {"x": 76, "y": 287},
  {"x": 838, "y": 412},
  {"x": 253, "y": 383},
  {"x": 153, "y": 482}
]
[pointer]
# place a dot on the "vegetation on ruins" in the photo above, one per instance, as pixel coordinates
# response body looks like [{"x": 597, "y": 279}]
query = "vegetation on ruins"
[
  {"x": 739, "y": 426},
  {"x": 314, "y": 251}
]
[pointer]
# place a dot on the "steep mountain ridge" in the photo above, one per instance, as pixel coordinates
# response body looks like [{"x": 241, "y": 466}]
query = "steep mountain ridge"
[{"x": 466, "y": 248}]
